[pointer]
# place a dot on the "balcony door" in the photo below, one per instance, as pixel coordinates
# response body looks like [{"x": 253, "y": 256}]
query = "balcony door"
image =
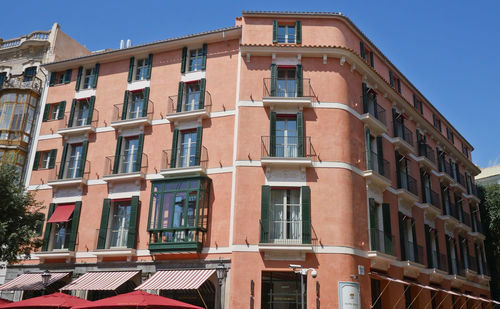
[
  {"x": 136, "y": 105},
  {"x": 81, "y": 113},
  {"x": 286, "y": 216},
  {"x": 187, "y": 149},
  {"x": 286, "y": 137},
  {"x": 191, "y": 100},
  {"x": 286, "y": 83},
  {"x": 120, "y": 221},
  {"x": 130, "y": 154},
  {"x": 74, "y": 162}
]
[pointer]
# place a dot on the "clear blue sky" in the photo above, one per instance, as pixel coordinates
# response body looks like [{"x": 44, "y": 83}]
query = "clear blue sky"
[{"x": 450, "y": 50}]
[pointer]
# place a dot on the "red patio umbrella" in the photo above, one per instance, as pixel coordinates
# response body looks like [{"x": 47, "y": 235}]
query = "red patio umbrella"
[
  {"x": 138, "y": 299},
  {"x": 56, "y": 300},
  {"x": 4, "y": 301}
]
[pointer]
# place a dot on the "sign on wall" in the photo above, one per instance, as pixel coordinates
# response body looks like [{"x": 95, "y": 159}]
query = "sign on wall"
[{"x": 349, "y": 297}]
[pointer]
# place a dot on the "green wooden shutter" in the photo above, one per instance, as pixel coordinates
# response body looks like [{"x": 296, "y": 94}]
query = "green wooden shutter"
[
  {"x": 180, "y": 93},
  {"x": 72, "y": 113},
  {"x": 67, "y": 76},
  {"x": 421, "y": 107},
  {"x": 203, "y": 85},
  {"x": 91, "y": 110},
  {"x": 204, "y": 57},
  {"x": 415, "y": 245},
  {"x": 83, "y": 158},
  {"x": 298, "y": 32},
  {"x": 74, "y": 226},
  {"x": 61, "y": 110},
  {"x": 399, "y": 85},
  {"x": 274, "y": 75},
  {"x": 131, "y": 69},
  {"x": 145, "y": 102},
  {"x": 116, "y": 162},
  {"x": 401, "y": 236},
  {"x": 150, "y": 66},
  {"x": 52, "y": 158},
  {"x": 362, "y": 49},
  {"x": 63, "y": 159},
  {"x": 173, "y": 157},
  {"x": 365, "y": 98},
  {"x": 398, "y": 169},
  {"x": 428, "y": 246},
  {"x": 275, "y": 31},
  {"x": 125, "y": 105},
  {"x": 372, "y": 208},
  {"x": 264, "y": 214},
  {"x": 52, "y": 81},
  {"x": 380, "y": 156},
  {"x": 448, "y": 254},
  {"x": 199, "y": 132},
  {"x": 415, "y": 101},
  {"x": 436, "y": 239},
  {"x": 96, "y": 75},
  {"x": 37, "y": 160},
  {"x": 299, "y": 81},
  {"x": 132, "y": 229},
  {"x": 391, "y": 78},
  {"x": 301, "y": 152},
  {"x": 140, "y": 146},
  {"x": 272, "y": 135},
  {"x": 184, "y": 59},
  {"x": 369, "y": 164},
  {"x": 457, "y": 259},
  {"x": 103, "y": 230},
  {"x": 306, "y": 214},
  {"x": 372, "y": 63},
  {"x": 386, "y": 214},
  {"x": 78, "y": 78},
  {"x": 46, "y": 111},
  {"x": 48, "y": 228},
  {"x": 422, "y": 182}
]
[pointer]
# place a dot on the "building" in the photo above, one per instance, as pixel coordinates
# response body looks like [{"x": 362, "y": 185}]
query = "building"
[
  {"x": 286, "y": 139},
  {"x": 489, "y": 175},
  {"x": 21, "y": 85}
]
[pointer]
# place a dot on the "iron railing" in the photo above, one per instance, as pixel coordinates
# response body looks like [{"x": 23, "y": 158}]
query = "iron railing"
[
  {"x": 176, "y": 235},
  {"x": 413, "y": 253},
  {"x": 375, "y": 110},
  {"x": 404, "y": 133},
  {"x": 183, "y": 159},
  {"x": 381, "y": 241},
  {"x": 435, "y": 259},
  {"x": 472, "y": 263},
  {"x": 114, "y": 237},
  {"x": 80, "y": 122},
  {"x": 443, "y": 262},
  {"x": 132, "y": 113},
  {"x": 285, "y": 232},
  {"x": 408, "y": 183},
  {"x": 460, "y": 179},
  {"x": 71, "y": 169},
  {"x": 288, "y": 88},
  {"x": 125, "y": 164},
  {"x": 286, "y": 147},
  {"x": 466, "y": 219},
  {"x": 426, "y": 151},
  {"x": 20, "y": 82},
  {"x": 432, "y": 198},
  {"x": 378, "y": 164},
  {"x": 186, "y": 106},
  {"x": 444, "y": 166}
]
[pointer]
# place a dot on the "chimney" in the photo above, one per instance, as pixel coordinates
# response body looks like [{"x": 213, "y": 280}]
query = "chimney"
[
  {"x": 122, "y": 44},
  {"x": 129, "y": 43}
]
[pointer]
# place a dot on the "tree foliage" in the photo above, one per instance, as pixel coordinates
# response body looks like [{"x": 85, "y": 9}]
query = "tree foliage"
[{"x": 20, "y": 217}]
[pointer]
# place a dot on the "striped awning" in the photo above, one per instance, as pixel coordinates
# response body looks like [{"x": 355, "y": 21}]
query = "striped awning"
[
  {"x": 30, "y": 282},
  {"x": 188, "y": 279},
  {"x": 98, "y": 281}
]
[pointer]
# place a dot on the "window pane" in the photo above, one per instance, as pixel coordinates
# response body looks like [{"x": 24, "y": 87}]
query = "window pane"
[
  {"x": 135, "y": 105},
  {"x": 120, "y": 224}
]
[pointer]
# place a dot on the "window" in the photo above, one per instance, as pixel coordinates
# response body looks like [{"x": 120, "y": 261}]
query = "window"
[
  {"x": 375, "y": 155},
  {"x": 282, "y": 290},
  {"x": 404, "y": 180},
  {"x": 418, "y": 104},
  {"x": 140, "y": 69},
  {"x": 366, "y": 54},
  {"x": 186, "y": 148},
  {"x": 61, "y": 227},
  {"x": 53, "y": 111},
  {"x": 135, "y": 104},
  {"x": 118, "y": 223},
  {"x": 451, "y": 250},
  {"x": 178, "y": 217},
  {"x": 428, "y": 196},
  {"x": 380, "y": 227},
  {"x": 285, "y": 215},
  {"x": 59, "y": 78},
  {"x": 29, "y": 74},
  {"x": 286, "y": 81},
  {"x": 370, "y": 104},
  {"x": 191, "y": 96},
  {"x": 445, "y": 194},
  {"x": 73, "y": 160},
  {"x": 87, "y": 77},
  {"x": 464, "y": 252},
  {"x": 128, "y": 157},
  {"x": 3, "y": 75},
  {"x": 286, "y": 140},
  {"x": 45, "y": 159},
  {"x": 432, "y": 244},
  {"x": 287, "y": 33},
  {"x": 196, "y": 59},
  {"x": 408, "y": 239},
  {"x": 81, "y": 112}
]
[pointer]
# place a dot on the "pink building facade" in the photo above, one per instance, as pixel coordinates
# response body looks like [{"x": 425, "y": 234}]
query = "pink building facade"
[{"x": 287, "y": 139}]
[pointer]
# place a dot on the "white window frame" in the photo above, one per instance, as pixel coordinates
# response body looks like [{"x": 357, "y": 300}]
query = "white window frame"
[
  {"x": 197, "y": 58},
  {"x": 141, "y": 69},
  {"x": 122, "y": 231},
  {"x": 286, "y": 39},
  {"x": 287, "y": 208},
  {"x": 128, "y": 157},
  {"x": 87, "y": 78}
]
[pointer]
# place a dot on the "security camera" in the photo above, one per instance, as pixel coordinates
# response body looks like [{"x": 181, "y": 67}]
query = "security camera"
[{"x": 314, "y": 273}]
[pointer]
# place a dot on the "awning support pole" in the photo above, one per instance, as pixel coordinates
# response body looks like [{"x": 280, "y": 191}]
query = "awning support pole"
[
  {"x": 383, "y": 290},
  {"x": 442, "y": 301},
  {"x": 462, "y": 304},
  {"x": 204, "y": 304},
  {"x": 432, "y": 298},
  {"x": 415, "y": 298},
  {"x": 399, "y": 299}
]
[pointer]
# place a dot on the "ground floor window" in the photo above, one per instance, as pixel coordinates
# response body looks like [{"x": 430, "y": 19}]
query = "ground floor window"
[{"x": 281, "y": 290}]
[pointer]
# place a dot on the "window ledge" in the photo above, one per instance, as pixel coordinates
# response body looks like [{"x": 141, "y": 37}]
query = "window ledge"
[
  {"x": 291, "y": 102},
  {"x": 472, "y": 197},
  {"x": 55, "y": 254},
  {"x": 114, "y": 252},
  {"x": 282, "y": 161},
  {"x": 67, "y": 182},
  {"x": 401, "y": 145},
  {"x": 425, "y": 162},
  {"x": 435, "y": 275},
  {"x": 450, "y": 220},
  {"x": 376, "y": 126},
  {"x": 136, "y": 176},
  {"x": 372, "y": 177},
  {"x": 463, "y": 226},
  {"x": 430, "y": 209},
  {"x": 456, "y": 280},
  {"x": 443, "y": 176},
  {"x": 477, "y": 235},
  {"x": 379, "y": 260},
  {"x": 131, "y": 123},
  {"x": 285, "y": 247},
  {"x": 412, "y": 269},
  {"x": 457, "y": 185},
  {"x": 407, "y": 196},
  {"x": 188, "y": 115},
  {"x": 81, "y": 130},
  {"x": 181, "y": 171}
]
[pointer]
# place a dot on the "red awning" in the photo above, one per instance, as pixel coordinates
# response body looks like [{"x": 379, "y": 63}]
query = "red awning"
[
  {"x": 30, "y": 282},
  {"x": 104, "y": 280},
  {"x": 189, "y": 279},
  {"x": 62, "y": 213}
]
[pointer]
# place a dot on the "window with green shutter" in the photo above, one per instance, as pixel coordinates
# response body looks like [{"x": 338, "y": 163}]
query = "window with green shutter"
[
  {"x": 78, "y": 78},
  {"x": 74, "y": 226},
  {"x": 184, "y": 59},
  {"x": 48, "y": 228},
  {"x": 118, "y": 223},
  {"x": 128, "y": 154}
]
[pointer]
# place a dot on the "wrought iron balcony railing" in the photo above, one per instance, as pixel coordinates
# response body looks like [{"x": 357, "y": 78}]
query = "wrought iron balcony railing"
[
  {"x": 133, "y": 111},
  {"x": 375, "y": 110},
  {"x": 80, "y": 119},
  {"x": 378, "y": 164},
  {"x": 404, "y": 133},
  {"x": 288, "y": 88},
  {"x": 408, "y": 183},
  {"x": 70, "y": 169},
  {"x": 285, "y": 232},
  {"x": 381, "y": 241},
  {"x": 286, "y": 147},
  {"x": 126, "y": 164},
  {"x": 432, "y": 198},
  {"x": 413, "y": 253},
  {"x": 189, "y": 103},
  {"x": 22, "y": 82},
  {"x": 426, "y": 151},
  {"x": 183, "y": 158}
]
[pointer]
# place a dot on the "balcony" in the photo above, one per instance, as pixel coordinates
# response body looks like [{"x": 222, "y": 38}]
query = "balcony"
[
  {"x": 75, "y": 126},
  {"x": 445, "y": 175},
  {"x": 431, "y": 201},
  {"x": 477, "y": 228},
  {"x": 374, "y": 117},
  {"x": 413, "y": 261},
  {"x": 403, "y": 139},
  {"x": 450, "y": 214},
  {"x": 407, "y": 188},
  {"x": 34, "y": 38},
  {"x": 116, "y": 244},
  {"x": 381, "y": 249},
  {"x": 426, "y": 156},
  {"x": 288, "y": 93},
  {"x": 286, "y": 151},
  {"x": 134, "y": 117},
  {"x": 471, "y": 193},
  {"x": 125, "y": 168},
  {"x": 177, "y": 239},
  {"x": 14, "y": 138},
  {"x": 22, "y": 82},
  {"x": 184, "y": 164},
  {"x": 73, "y": 173},
  {"x": 279, "y": 237},
  {"x": 464, "y": 221},
  {"x": 471, "y": 269},
  {"x": 459, "y": 182},
  {"x": 377, "y": 170},
  {"x": 437, "y": 271},
  {"x": 189, "y": 109}
]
